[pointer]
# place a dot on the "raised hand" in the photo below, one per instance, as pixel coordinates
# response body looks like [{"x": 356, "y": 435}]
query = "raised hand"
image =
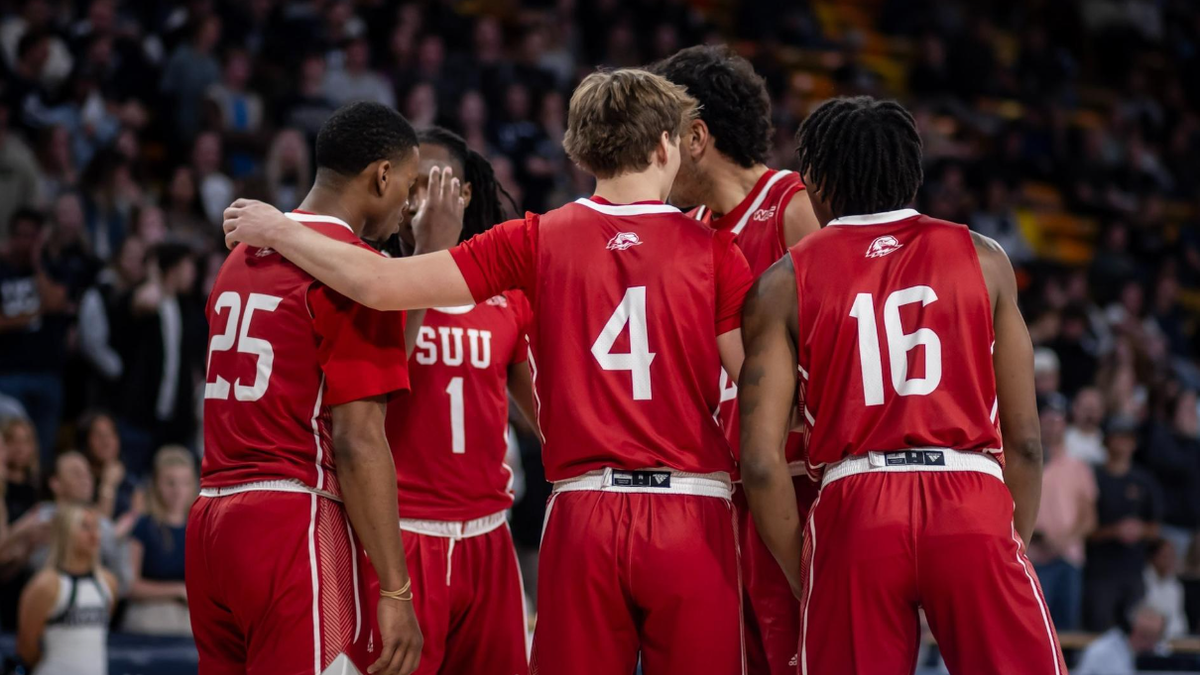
[{"x": 439, "y": 219}]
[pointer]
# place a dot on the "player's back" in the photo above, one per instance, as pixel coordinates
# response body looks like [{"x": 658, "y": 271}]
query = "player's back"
[
  {"x": 895, "y": 337},
  {"x": 265, "y": 413},
  {"x": 626, "y": 366}
]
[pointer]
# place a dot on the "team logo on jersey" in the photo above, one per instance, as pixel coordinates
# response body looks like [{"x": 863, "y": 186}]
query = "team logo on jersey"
[
  {"x": 623, "y": 240},
  {"x": 264, "y": 252},
  {"x": 498, "y": 301},
  {"x": 883, "y": 246},
  {"x": 763, "y": 214}
]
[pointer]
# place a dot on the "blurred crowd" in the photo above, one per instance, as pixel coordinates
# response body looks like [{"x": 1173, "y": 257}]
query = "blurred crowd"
[{"x": 1067, "y": 130}]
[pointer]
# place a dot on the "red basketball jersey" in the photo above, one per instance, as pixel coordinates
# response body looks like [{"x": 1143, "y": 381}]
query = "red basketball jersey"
[
  {"x": 450, "y": 434},
  {"x": 895, "y": 338},
  {"x": 283, "y": 348},
  {"x": 758, "y": 223},
  {"x": 627, "y": 303}
]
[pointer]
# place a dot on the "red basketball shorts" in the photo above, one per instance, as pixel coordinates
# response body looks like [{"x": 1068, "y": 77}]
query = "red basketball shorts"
[
  {"x": 275, "y": 585},
  {"x": 933, "y": 529},
  {"x": 772, "y": 612},
  {"x": 639, "y": 562},
  {"x": 468, "y": 596}
]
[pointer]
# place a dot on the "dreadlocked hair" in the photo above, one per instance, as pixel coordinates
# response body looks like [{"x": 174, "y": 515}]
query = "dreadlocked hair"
[
  {"x": 862, "y": 154},
  {"x": 488, "y": 197}
]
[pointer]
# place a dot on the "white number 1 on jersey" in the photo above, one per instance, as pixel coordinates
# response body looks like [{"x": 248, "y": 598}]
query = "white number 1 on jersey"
[{"x": 631, "y": 312}]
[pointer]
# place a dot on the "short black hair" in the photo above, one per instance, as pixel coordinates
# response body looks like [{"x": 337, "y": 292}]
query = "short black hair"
[
  {"x": 487, "y": 194},
  {"x": 734, "y": 102},
  {"x": 863, "y": 154},
  {"x": 170, "y": 254},
  {"x": 358, "y": 134},
  {"x": 26, "y": 215},
  {"x": 29, "y": 40}
]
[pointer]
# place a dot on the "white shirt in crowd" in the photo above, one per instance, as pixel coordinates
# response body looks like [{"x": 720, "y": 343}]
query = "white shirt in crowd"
[
  {"x": 1087, "y": 446},
  {"x": 1166, "y": 596}
]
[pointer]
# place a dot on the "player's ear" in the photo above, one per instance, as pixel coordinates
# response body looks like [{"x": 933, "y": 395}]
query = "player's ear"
[
  {"x": 466, "y": 194},
  {"x": 697, "y": 140},
  {"x": 662, "y": 152},
  {"x": 383, "y": 175}
]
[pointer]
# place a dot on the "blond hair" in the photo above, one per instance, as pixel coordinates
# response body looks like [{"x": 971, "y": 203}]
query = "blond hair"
[
  {"x": 616, "y": 119},
  {"x": 168, "y": 457},
  {"x": 62, "y": 544}
]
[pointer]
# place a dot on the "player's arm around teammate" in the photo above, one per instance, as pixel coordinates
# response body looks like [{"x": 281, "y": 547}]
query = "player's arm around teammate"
[
  {"x": 1013, "y": 360},
  {"x": 369, "y": 494},
  {"x": 766, "y": 397}
]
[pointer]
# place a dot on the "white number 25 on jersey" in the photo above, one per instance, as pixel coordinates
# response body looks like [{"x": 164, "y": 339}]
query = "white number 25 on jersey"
[
  {"x": 630, "y": 312},
  {"x": 219, "y": 387}
]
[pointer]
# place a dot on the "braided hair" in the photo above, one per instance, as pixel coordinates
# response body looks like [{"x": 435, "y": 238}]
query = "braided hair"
[
  {"x": 487, "y": 206},
  {"x": 862, "y": 154}
]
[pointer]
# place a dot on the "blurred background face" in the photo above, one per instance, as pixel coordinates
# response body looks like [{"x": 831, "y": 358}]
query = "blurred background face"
[
  {"x": 23, "y": 241},
  {"x": 68, "y": 217},
  {"x": 1054, "y": 425},
  {"x": 151, "y": 225},
  {"x": 132, "y": 260},
  {"x": 85, "y": 535},
  {"x": 1087, "y": 410},
  {"x": 21, "y": 446},
  {"x": 176, "y": 486},
  {"x": 1165, "y": 560},
  {"x": 1146, "y": 631},
  {"x": 104, "y": 445},
  {"x": 73, "y": 481},
  {"x": 1121, "y": 446},
  {"x": 1187, "y": 416}
]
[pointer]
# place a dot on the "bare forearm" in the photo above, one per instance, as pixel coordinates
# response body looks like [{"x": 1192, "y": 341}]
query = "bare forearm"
[
  {"x": 1023, "y": 476},
  {"x": 772, "y": 499},
  {"x": 369, "y": 493}
]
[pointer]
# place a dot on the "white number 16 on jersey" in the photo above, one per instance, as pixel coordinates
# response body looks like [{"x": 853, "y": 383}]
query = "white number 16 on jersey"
[
  {"x": 899, "y": 344},
  {"x": 631, "y": 312}
]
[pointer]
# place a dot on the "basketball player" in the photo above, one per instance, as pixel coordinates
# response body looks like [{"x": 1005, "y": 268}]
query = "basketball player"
[
  {"x": 449, "y": 438},
  {"x": 635, "y": 309},
  {"x": 297, "y": 478},
  {"x": 723, "y": 168},
  {"x": 906, "y": 332}
]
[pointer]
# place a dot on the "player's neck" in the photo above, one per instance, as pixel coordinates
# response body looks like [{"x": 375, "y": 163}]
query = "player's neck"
[
  {"x": 325, "y": 201},
  {"x": 730, "y": 185},
  {"x": 628, "y": 188}
]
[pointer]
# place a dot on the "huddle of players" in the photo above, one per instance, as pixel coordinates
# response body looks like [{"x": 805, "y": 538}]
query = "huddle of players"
[{"x": 633, "y": 316}]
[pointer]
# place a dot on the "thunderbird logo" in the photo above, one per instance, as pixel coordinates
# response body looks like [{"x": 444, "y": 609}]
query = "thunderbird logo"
[
  {"x": 883, "y": 246},
  {"x": 623, "y": 240},
  {"x": 763, "y": 214}
]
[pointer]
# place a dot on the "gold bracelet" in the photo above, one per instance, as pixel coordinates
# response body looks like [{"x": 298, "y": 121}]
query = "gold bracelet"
[{"x": 405, "y": 592}]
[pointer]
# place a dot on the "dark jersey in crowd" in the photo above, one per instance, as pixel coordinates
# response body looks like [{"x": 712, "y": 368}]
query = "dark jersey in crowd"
[{"x": 1133, "y": 495}]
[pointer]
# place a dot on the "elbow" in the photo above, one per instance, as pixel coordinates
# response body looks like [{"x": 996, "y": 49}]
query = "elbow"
[
  {"x": 1027, "y": 451},
  {"x": 354, "y": 446},
  {"x": 756, "y": 471}
]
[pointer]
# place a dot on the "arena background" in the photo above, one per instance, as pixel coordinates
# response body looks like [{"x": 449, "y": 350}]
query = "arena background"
[{"x": 1065, "y": 129}]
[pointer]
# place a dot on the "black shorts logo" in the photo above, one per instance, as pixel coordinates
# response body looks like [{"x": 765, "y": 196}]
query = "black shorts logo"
[
  {"x": 642, "y": 479},
  {"x": 915, "y": 458}
]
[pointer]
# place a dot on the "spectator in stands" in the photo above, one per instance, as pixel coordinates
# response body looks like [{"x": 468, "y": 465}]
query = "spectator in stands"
[
  {"x": 1066, "y": 518},
  {"x": 1084, "y": 438},
  {"x": 1173, "y": 455},
  {"x": 996, "y": 218},
  {"x": 1164, "y": 590},
  {"x": 1116, "y": 652},
  {"x": 65, "y": 609},
  {"x": 1045, "y": 371},
  {"x": 165, "y": 349},
  {"x": 239, "y": 113},
  {"x": 188, "y": 74},
  {"x": 20, "y": 466},
  {"x": 157, "y": 596},
  {"x": 118, "y": 497},
  {"x": 182, "y": 206},
  {"x": 308, "y": 107},
  {"x": 215, "y": 188},
  {"x": 103, "y": 322},
  {"x": 18, "y": 173},
  {"x": 1129, "y": 511},
  {"x": 355, "y": 81},
  {"x": 288, "y": 169},
  {"x": 33, "y": 328}
]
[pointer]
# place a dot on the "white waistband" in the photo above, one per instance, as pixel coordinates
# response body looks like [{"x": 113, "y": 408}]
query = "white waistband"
[
  {"x": 650, "y": 481},
  {"x": 266, "y": 486},
  {"x": 449, "y": 529},
  {"x": 896, "y": 462}
]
